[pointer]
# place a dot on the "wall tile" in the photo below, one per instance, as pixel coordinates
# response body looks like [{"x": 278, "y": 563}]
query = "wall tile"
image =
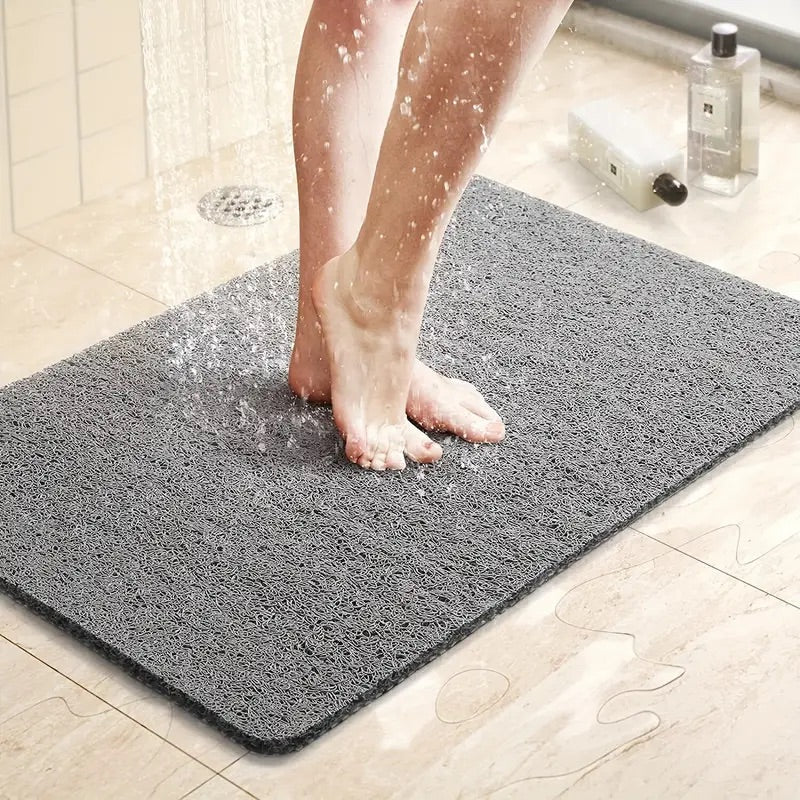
[
  {"x": 112, "y": 159},
  {"x": 45, "y": 185},
  {"x": 217, "y": 57},
  {"x": 21, "y": 11},
  {"x": 106, "y": 30},
  {"x": 42, "y": 119},
  {"x": 39, "y": 52},
  {"x": 111, "y": 94}
]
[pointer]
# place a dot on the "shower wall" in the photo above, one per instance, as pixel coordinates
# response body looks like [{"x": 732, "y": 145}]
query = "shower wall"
[{"x": 101, "y": 94}]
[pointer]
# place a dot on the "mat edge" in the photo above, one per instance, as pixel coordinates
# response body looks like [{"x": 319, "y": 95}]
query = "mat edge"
[{"x": 293, "y": 743}]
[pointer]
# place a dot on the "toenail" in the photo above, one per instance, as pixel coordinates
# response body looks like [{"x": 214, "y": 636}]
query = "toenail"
[{"x": 495, "y": 428}]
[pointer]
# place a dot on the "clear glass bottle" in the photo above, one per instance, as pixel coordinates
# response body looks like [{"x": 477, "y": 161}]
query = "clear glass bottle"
[{"x": 724, "y": 94}]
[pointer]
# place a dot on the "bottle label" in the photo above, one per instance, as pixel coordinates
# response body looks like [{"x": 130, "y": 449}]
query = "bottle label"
[
  {"x": 709, "y": 111},
  {"x": 614, "y": 171}
]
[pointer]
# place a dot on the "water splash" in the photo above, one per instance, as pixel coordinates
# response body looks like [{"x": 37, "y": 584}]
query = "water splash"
[
  {"x": 424, "y": 57},
  {"x": 486, "y": 140}
]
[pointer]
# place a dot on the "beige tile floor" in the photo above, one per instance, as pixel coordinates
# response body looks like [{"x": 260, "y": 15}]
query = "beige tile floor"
[{"x": 662, "y": 665}]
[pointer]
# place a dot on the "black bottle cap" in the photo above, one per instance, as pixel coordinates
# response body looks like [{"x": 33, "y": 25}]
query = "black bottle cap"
[
  {"x": 670, "y": 189},
  {"x": 723, "y": 39}
]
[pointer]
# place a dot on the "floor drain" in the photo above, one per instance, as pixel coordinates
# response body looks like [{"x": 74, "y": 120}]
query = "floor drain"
[{"x": 239, "y": 205}]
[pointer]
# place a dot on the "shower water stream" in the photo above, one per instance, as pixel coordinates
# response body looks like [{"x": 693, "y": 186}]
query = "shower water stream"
[{"x": 218, "y": 82}]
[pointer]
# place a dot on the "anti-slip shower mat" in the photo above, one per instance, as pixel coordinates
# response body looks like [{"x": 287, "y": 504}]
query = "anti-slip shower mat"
[{"x": 166, "y": 499}]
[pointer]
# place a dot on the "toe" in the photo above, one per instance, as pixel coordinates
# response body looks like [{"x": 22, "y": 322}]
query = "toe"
[
  {"x": 472, "y": 399},
  {"x": 392, "y": 441},
  {"x": 476, "y": 404},
  {"x": 379, "y": 446},
  {"x": 395, "y": 459},
  {"x": 394, "y": 452},
  {"x": 420, "y": 447},
  {"x": 378, "y": 462},
  {"x": 474, "y": 428},
  {"x": 355, "y": 447}
]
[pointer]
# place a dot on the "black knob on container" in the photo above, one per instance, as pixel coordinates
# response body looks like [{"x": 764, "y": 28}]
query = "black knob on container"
[
  {"x": 723, "y": 40},
  {"x": 670, "y": 189}
]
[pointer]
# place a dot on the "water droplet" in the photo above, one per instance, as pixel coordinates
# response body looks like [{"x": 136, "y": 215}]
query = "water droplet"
[{"x": 485, "y": 143}]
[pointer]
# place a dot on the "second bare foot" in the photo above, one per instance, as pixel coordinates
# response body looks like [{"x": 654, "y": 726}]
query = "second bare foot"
[{"x": 370, "y": 357}]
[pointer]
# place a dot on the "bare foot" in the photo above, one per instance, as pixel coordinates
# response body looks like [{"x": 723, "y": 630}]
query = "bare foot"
[
  {"x": 370, "y": 358},
  {"x": 435, "y": 402}
]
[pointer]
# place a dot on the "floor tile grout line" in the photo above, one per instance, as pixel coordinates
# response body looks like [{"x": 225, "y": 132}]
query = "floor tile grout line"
[
  {"x": 591, "y": 194},
  {"x": 718, "y": 569},
  {"x": 218, "y": 775},
  {"x": 112, "y": 707},
  {"x": 217, "y": 772},
  {"x": 91, "y": 269}
]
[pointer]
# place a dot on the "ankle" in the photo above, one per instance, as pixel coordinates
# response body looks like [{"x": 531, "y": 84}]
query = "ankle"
[{"x": 381, "y": 292}]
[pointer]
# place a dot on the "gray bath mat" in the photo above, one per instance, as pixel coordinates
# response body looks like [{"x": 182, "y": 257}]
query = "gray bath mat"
[{"x": 166, "y": 500}]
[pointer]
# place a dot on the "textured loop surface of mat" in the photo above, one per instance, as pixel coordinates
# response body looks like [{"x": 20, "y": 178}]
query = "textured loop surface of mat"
[{"x": 167, "y": 500}]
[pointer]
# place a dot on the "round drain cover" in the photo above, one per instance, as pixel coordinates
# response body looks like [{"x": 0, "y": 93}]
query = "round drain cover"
[{"x": 239, "y": 205}]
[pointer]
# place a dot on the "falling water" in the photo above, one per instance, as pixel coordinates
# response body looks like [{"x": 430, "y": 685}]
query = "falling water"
[
  {"x": 213, "y": 70},
  {"x": 218, "y": 88}
]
